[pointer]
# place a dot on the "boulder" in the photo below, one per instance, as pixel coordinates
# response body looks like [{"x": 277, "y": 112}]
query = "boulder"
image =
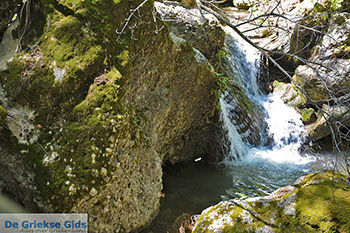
[
  {"x": 289, "y": 94},
  {"x": 314, "y": 203},
  {"x": 335, "y": 115},
  {"x": 323, "y": 84},
  {"x": 204, "y": 34}
]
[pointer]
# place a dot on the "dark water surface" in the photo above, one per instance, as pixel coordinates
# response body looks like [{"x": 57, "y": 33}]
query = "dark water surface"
[
  {"x": 193, "y": 188},
  {"x": 189, "y": 189}
]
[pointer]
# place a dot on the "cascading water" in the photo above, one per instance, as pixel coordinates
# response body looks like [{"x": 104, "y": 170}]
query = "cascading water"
[{"x": 260, "y": 170}]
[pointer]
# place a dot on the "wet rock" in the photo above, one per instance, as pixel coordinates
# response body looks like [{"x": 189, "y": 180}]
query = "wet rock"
[
  {"x": 318, "y": 201},
  {"x": 289, "y": 94}
]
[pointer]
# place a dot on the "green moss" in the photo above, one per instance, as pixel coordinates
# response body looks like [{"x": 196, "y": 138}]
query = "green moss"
[
  {"x": 71, "y": 46},
  {"x": 307, "y": 114},
  {"x": 124, "y": 57},
  {"x": 73, "y": 4},
  {"x": 103, "y": 95},
  {"x": 77, "y": 121},
  {"x": 243, "y": 100},
  {"x": 3, "y": 115},
  {"x": 82, "y": 143},
  {"x": 277, "y": 84}
]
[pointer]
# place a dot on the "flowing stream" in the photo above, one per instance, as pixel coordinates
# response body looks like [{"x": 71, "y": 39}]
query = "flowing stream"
[
  {"x": 260, "y": 170},
  {"x": 248, "y": 170}
]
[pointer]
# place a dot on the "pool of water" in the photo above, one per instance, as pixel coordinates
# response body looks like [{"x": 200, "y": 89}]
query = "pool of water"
[
  {"x": 189, "y": 189},
  {"x": 193, "y": 188}
]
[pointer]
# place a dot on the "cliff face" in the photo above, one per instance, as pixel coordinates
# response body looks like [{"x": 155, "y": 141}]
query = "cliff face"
[{"x": 93, "y": 114}]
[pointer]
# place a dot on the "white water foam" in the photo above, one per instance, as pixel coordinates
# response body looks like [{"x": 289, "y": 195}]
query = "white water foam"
[
  {"x": 285, "y": 127},
  {"x": 238, "y": 148},
  {"x": 287, "y": 131}
]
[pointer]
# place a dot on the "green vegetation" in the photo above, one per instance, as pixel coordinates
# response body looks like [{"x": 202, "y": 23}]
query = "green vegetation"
[
  {"x": 221, "y": 84},
  {"x": 70, "y": 82},
  {"x": 307, "y": 114},
  {"x": 3, "y": 115}
]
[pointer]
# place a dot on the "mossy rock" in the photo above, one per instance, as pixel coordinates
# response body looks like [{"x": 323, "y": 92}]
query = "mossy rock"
[
  {"x": 3, "y": 115},
  {"x": 96, "y": 95},
  {"x": 318, "y": 202},
  {"x": 308, "y": 115}
]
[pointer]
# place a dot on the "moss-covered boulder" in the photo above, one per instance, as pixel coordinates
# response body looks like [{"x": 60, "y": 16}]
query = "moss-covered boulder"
[
  {"x": 103, "y": 105},
  {"x": 315, "y": 203}
]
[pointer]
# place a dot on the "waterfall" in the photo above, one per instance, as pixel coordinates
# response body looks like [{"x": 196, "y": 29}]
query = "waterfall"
[
  {"x": 258, "y": 170},
  {"x": 238, "y": 148},
  {"x": 286, "y": 130}
]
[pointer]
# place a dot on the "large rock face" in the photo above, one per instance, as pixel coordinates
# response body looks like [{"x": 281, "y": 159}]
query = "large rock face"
[
  {"x": 314, "y": 203},
  {"x": 97, "y": 106}
]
